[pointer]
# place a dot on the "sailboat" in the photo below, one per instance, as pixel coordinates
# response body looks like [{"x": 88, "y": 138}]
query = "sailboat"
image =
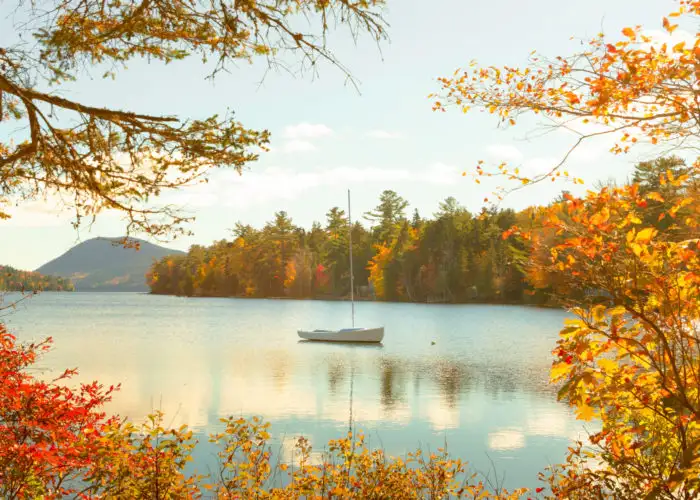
[{"x": 375, "y": 334}]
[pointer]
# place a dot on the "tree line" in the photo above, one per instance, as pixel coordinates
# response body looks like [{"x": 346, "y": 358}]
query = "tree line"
[
  {"x": 14, "y": 280},
  {"x": 453, "y": 257}
]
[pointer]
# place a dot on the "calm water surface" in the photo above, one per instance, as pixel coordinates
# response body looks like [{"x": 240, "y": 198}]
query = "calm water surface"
[{"x": 482, "y": 387}]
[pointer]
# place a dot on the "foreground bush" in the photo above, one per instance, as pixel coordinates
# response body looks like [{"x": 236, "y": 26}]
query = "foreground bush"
[{"x": 632, "y": 356}]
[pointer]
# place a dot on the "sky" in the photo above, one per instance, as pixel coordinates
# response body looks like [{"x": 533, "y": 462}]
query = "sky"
[{"x": 327, "y": 137}]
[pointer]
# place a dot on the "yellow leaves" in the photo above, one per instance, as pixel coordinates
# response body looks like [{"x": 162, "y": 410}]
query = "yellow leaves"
[
  {"x": 585, "y": 412},
  {"x": 559, "y": 371},
  {"x": 600, "y": 217},
  {"x": 598, "y": 313},
  {"x": 608, "y": 366},
  {"x": 629, "y": 32},
  {"x": 645, "y": 235},
  {"x": 617, "y": 311},
  {"x": 655, "y": 196},
  {"x": 632, "y": 219},
  {"x": 637, "y": 249}
]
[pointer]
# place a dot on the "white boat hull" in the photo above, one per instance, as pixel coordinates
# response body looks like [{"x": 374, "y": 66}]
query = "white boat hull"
[{"x": 344, "y": 335}]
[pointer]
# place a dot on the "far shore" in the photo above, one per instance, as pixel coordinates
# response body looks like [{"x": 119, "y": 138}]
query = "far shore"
[{"x": 363, "y": 299}]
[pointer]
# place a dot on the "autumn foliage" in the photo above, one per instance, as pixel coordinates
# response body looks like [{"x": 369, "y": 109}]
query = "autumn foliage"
[
  {"x": 49, "y": 433},
  {"x": 626, "y": 258},
  {"x": 632, "y": 357},
  {"x": 93, "y": 158},
  {"x": 635, "y": 88},
  {"x": 14, "y": 280}
]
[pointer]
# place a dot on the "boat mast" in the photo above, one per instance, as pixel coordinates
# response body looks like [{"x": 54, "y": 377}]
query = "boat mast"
[{"x": 352, "y": 275}]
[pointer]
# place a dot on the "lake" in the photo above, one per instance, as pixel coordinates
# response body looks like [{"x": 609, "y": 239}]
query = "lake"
[{"x": 482, "y": 387}]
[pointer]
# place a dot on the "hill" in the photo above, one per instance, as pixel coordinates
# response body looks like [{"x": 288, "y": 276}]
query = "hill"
[
  {"x": 102, "y": 264},
  {"x": 14, "y": 280}
]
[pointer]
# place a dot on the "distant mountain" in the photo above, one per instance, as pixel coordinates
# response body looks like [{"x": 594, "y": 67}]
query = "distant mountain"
[{"x": 104, "y": 265}]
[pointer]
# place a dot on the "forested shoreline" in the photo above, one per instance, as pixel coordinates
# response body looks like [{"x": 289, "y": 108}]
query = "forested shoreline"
[
  {"x": 15, "y": 280},
  {"x": 453, "y": 257}
]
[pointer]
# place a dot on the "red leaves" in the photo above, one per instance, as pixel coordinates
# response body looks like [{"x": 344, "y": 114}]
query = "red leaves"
[{"x": 46, "y": 427}]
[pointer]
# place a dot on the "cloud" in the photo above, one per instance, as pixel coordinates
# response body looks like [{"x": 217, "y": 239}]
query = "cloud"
[
  {"x": 506, "y": 439},
  {"x": 439, "y": 173},
  {"x": 297, "y": 146},
  {"x": 51, "y": 211},
  {"x": 442, "y": 418},
  {"x": 550, "y": 424},
  {"x": 383, "y": 134},
  {"x": 540, "y": 165},
  {"x": 274, "y": 183},
  {"x": 194, "y": 196},
  {"x": 307, "y": 131},
  {"x": 658, "y": 38},
  {"x": 504, "y": 152}
]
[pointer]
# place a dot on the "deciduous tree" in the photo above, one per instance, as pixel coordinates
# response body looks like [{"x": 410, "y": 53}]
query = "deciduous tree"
[{"x": 96, "y": 158}]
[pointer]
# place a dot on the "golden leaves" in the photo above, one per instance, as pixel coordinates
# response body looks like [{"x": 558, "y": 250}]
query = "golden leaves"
[
  {"x": 559, "y": 370},
  {"x": 608, "y": 366},
  {"x": 655, "y": 196},
  {"x": 629, "y": 32},
  {"x": 601, "y": 217},
  {"x": 645, "y": 235},
  {"x": 585, "y": 412}
]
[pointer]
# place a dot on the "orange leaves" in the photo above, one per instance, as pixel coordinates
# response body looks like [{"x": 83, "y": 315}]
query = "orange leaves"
[
  {"x": 45, "y": 424},
  {"x": 668, "y": 26},
  {"x": 629, "y": 32},
  {"x": 631, "y": 86},
  {"x": 600, "y": 218},
  {"x": 624, "y": 364}
]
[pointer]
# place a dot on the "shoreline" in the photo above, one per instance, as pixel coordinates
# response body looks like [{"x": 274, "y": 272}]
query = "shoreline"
[{"x": 362, "y": 299}]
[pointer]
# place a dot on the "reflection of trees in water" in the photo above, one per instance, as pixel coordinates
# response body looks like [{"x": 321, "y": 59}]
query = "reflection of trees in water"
[
  {"x": 502, "y": 380},
  {"x": 417, "y": 378},
  {"x": 392, "y": 381},
  {"x": 279, "y": 362},
  {"x": 452, "y": 378},
  {"x": 336, "y": 374},
  {"x": 499, "y": 382}
]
